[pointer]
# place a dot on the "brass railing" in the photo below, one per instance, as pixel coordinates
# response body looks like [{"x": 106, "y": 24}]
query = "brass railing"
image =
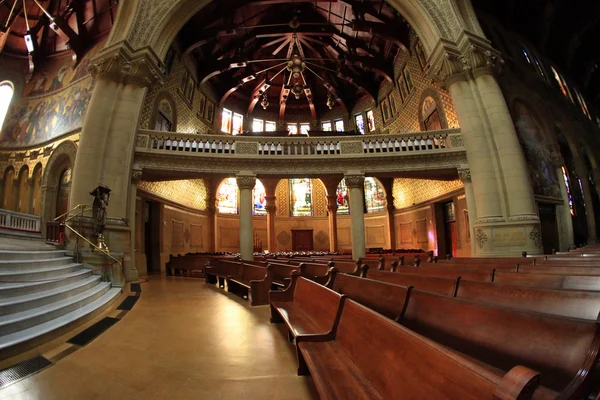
[{"x": 78, "y": 211}]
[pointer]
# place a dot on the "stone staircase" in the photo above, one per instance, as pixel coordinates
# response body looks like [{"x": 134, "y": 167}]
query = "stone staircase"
[{"x": 43, "y": 290}]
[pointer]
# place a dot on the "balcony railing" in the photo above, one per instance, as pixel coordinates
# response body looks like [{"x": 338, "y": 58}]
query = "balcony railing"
[
  {"x": 303, "y": 147},
  {"x": 20, "y": 222}
]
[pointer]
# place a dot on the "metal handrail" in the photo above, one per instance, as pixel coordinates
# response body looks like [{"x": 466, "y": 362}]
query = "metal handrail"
[{"x": 82, "y": 208}]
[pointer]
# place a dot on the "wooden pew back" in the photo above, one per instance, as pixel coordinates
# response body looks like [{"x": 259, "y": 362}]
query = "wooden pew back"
[
  {"x": 549, "y": 281},
  {"x": 385, "y": 298},
  {"x": 320, "y": 302},
  {"x": 556, "y": 347},
  {"x": 464, "y": 273},
  {"x": 443, "y": 286},
  {"x": 411, "y": 365},
  {"x": 582, "y": 305}
]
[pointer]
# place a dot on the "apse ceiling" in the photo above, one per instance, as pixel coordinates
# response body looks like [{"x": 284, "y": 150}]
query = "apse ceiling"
[
  {"x": 36, "y": 29},
  {"x": 282, "y": 55}
]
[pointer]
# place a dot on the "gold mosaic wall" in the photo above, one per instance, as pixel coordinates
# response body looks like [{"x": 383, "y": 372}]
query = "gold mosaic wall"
[
  {"x": 408, "y": 192},
  {"x": 192, "y": 193}
]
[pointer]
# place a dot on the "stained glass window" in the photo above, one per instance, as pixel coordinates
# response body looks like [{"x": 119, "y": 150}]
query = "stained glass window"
[
  {"x": 257, "y": 125},
  {"x": 259, "y": 197},
  {"x": 570, "y": 197},
  {"x": 371, "y": 120},
  {"x": 526, "y": 55},
  {"x": 304, "y": 128},
  {"x": 301, "y": 197},
  {"x": 226, "y": 121},
  {"x": 360, "y": 123},
  {"x": 538, "y": 65},
  {"x": 561, "y": 84},
  {"x": 374, "y": 196},
  {"x": 270, "y": 126},
  {"x": 583, "y": 104},
  {"x": 343, "y": 199},
  {"x": 339, "y": 125},
  {"x": 326, "y": 126},
  {"x": 6, "y": 94},
  {"x": 292, "y": 129},
  {"x": 227, "y": 197},
  {"x": 238, "y": 123}
]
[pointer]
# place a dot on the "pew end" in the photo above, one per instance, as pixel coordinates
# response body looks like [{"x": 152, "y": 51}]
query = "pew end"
[{"x": 518, "y": 383}]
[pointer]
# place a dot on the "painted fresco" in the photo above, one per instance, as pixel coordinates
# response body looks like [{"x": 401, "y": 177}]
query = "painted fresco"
[
  {"x": 53, "y": 103},
  {"x": 537, "y": 153},
  {"x": 35, "y": 121}
]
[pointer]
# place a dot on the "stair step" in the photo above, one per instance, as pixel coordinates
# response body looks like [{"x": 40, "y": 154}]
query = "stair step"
[
  {"x": 26, "y": 264},
  {"x": 29, "y": 318},
  {"x": 10, "y": 276},
  {"x": 56, "y": 323},
  {"x": 23, "y": 288},
  {"x": 30, "y": 255},
  {"x": 24, "y": 302}
]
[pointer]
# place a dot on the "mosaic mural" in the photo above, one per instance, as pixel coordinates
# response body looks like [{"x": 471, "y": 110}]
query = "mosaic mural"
[{"x": 537, "y": 153}]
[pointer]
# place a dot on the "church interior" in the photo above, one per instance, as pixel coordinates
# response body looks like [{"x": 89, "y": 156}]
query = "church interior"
[{"x": 303, "y": 199}]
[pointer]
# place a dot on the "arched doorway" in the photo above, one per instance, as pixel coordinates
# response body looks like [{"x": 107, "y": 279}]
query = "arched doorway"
[{"x": 63, "y": 192}]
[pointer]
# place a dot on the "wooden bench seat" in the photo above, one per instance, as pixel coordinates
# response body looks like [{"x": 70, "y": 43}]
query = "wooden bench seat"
[
  {"x": 559, "y": 270},
  {"x": 549, "y": 281},
  {"x": 306, "y": 307},
  {"x": 385, "y": 298},
  {"x": 432, "y": 284},
  {"x": 464, "y": 273},
  {"x": 563, "y": 350},
  {"x": 582, "y": 305},
  {"x": 372, "y": 358}
]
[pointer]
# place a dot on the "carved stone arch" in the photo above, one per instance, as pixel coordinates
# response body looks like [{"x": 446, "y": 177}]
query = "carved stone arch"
[
  {"x": 435, "y": 95},
  {"x": 164, "y": 95},
  {"x": 62, "y": 157}
]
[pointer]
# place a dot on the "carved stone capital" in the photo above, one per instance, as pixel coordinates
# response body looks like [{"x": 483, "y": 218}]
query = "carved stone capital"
[
  {"x": 464, "y": 175},
  {"x": 271, "y": 209},
  {"x": 122, "y": 64},
  {"x": 136, "y": 174},
  {"x": 246, "y": 181},
  {"x": 355, "y": 181}
]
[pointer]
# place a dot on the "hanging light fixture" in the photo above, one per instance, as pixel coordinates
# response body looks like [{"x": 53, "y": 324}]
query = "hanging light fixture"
[
  {"x": 265, "y": 101},
  {"x": 330, "y": 102}
]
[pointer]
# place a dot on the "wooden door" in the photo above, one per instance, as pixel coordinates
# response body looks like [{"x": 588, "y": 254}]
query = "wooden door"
[{"x": 302, "y": 240}]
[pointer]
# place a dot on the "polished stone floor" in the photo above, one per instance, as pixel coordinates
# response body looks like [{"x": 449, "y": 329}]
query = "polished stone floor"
[{"x": 182, "y": 340}]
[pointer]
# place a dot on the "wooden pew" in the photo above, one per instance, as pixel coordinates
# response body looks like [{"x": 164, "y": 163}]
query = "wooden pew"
[
  {"x": 282, "y": 273},
  {"x": 247, "y": 280},
  {"x": 443, "y": 286},
  {"x": 582, "y": 305},
  {"x": 374, "y": 358},
  {"x": 549, "y": 281},
  {"x": 385, "y": 298},
  {"x": 563, "y": 350},
  {"x": 464, "y": 273},
  {"x": 187, "y": 264},
  {"x": 306, "y": 307},
  {"x": 560, "y": 270}
]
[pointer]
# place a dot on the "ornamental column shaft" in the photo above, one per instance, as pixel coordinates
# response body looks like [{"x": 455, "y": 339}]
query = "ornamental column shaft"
[
  {"x": 130, "y": 271},
  {"x": 246, "y": 183},
  {"x": 355, "y": 182},
  {"x": 465, "y": 177},
  {"x": 332, "y": 217},
  {"x": 271, "y": 213}
]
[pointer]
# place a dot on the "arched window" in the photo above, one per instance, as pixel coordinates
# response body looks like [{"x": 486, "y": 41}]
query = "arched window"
[
  {"x": 562, "y": 84},
  {"x": 259, "y": 196},
  {"x": 568, "y": 186},
  {"x": 6, "y": 93},
  {"x": 582, "y": 104},
  {"x": 526, "y": 55},
  {"x": 431, "y": 116},
  {"x": 374, "y": 197},
  {"x": 301, "y": 202},
  {"x": 227, "y": 198},
  {"x": 164, "y": 116}
]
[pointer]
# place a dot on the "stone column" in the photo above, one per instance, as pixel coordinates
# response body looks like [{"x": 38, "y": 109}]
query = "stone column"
[
  {"x": 332, "y": 208},
  {"x": 129, "y": 269},
  {"x": 566, "y": 220},
  {"x": 506, "y": 222},
  {"x": 465, "y": 177},
  {"x": 390, "y": 211},
  {"x": 246, "y": 182},
  {"x": 211, "y": 208},
  {"x": 271, "y": 214},
  {"x": 355, "y": 181}
]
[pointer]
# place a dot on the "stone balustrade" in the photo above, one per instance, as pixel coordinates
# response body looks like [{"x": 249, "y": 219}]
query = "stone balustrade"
[
  {"x": 18, "y": 221},
  {"x": 299, "y": 147}
]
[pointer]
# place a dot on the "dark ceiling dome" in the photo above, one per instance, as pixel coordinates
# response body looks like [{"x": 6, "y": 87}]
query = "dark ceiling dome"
[{"x": 299, "y": 54}]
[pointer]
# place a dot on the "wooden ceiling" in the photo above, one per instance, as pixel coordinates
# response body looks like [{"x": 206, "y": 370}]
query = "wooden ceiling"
[
  {"x": 57, "y": 26},
  {"x": 347, "y": 49}
]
